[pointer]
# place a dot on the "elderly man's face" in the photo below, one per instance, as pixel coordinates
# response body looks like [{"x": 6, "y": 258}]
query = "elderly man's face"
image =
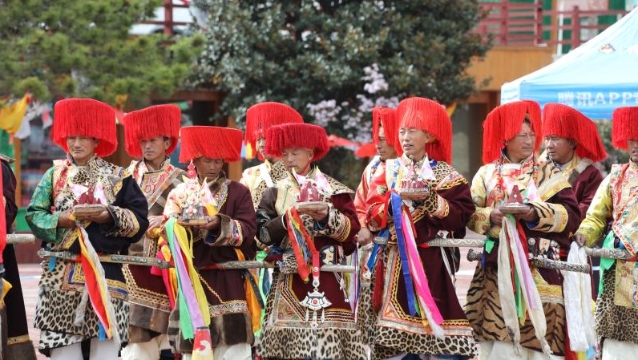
[
  {"x": 81, "y": 148},
  {"x": 297, "y": 159}
]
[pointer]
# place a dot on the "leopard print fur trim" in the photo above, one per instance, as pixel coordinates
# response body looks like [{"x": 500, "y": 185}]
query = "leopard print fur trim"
[
  {"x": 483, "y": 309},
  {"x": 613, "y": 321}
]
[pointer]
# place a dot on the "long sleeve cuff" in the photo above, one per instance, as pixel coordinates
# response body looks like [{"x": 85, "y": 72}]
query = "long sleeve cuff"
[{"x": 552, "y": 218}]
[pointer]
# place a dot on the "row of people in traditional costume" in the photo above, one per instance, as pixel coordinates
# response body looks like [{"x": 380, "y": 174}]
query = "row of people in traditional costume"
[{"x": 287, "y": 212}]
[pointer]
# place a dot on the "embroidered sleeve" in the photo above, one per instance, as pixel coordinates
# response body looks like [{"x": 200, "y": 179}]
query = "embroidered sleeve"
[
  {"x": 229, "y": 234},
  {"x": 270, "y": 225},
  {"x": 480, "y": 219},
  {"x": 42, "y": 221},
  {"x": 129, "y": 211},
  {"x": 378, "y": 216},
  {"x": 600, "y": 211},
  {"x": 552, "y": 217},
  {"x": 237, "y": 224},
  {"x": 360, "y": 198},
  {"x": 338, "y": 225}
]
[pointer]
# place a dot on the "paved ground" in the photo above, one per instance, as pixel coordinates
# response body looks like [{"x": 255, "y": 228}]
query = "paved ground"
[{"x": 30, "y": 275}]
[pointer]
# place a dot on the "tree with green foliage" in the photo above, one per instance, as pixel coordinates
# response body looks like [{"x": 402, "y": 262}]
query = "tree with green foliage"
[
  {"x": 335, "y": 60},
  {"x": 63, "y": 48}
]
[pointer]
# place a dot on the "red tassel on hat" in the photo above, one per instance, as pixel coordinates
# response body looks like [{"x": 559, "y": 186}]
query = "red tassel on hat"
[
  {"x": 304, "y": 136},
  {"x": 212, "y": 142},
  {"x": 88, "y": 118},
  {"x": 386, "y": 118},
  {"x": 431, "y": 117},
  {"x": 260, "y": 117},
  {"x": 566, "y": 122},
  {"x": 624, "y": 126},
  {"x": 505, "y": 122},
  {"x": 151, "y": 122}
]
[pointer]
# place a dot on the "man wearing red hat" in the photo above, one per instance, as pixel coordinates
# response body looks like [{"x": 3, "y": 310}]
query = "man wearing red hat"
[
  {"x": 259, "y": 118},
  {"x": 414, "y": 304},
  {"x": 373, "y": 189},
  {"x": 614, "y": 206},
  {"x": 82, "y": 298},
  {"x": 16, "y": 343},
  {"x": 384, "y": 131},
  {"x": 151, "y": 135},
  {"x": 312, "y": 218},
  {"x": 517, "y": 311},
  {"x": 227, "y": 235},
  {"x": 573, "y": 144}
]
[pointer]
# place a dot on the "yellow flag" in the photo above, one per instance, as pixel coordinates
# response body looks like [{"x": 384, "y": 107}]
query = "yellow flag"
[{"x": 11, "y": 116}]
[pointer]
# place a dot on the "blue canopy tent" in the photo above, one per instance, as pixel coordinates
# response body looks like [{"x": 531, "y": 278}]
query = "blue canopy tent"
[{"x": 595, "y": 78}]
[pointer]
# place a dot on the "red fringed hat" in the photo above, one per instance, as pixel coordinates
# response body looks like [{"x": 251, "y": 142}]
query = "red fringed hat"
[
  {"x": 152, "y": 122},
  {"x": 567, "y": 122},
  {"x": 210, "y": 141},
  {"x": 85, "y": 117},
  {"x": 386, "y": 118},
  {"x": 288, "y": 136},
  {"x": 624, "y": 126},
  {"x": 505, "y": 122},
  {"x": 262, "y": 116},
  {"x": 431, "y": 117}
]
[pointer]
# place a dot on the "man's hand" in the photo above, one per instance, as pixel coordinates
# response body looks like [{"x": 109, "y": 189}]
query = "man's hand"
[
  {"x": 364, "y": 237},
  {"x": 579, "y": 239},
  {"x": 496, "y": 217},
  {"x": 102, "y": 218},
  {"x": 317, "y": 215},
  {"x": 212, "y": 224},
  {"x": 154, "y": 222},
  {"x": 529, "y": 216},
  {"x": 66, "y": 221}
]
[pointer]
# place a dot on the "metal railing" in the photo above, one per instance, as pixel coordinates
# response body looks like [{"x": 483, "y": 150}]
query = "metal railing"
[{"x": 527, "y": 24}]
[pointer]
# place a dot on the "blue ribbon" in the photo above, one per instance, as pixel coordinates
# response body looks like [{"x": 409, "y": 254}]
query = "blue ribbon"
[
  {"x": 375, "y": 250},
  {"x": 397, "y": 205}
]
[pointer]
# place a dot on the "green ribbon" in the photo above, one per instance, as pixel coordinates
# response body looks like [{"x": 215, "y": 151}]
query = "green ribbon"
[
  {"x": 489, "y": 245},
  {"x": 606, "y": 263}
]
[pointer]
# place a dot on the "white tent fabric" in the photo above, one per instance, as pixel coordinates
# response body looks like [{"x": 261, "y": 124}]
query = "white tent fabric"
[{"x": 595, "y": 78}]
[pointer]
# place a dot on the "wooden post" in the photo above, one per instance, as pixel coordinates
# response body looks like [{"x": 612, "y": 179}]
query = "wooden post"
[
  {"x": 504, "y": 23},
  {"x": 538, "y": 16},
  {"x": 168, "y": 17},
  {"x": 576, "y": 27}
]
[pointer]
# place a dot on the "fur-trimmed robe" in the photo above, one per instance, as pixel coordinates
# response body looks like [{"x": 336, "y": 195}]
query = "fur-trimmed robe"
[
  {"x": 62, "y": 283},
  {"x": 16, "y": 343},
  {"x": 224, "y": 289},
  {"x": 286, "y": 332},
  {"x": 148, "y": 300},
  {"x": 448, "y": 208},
  {"x": 559, "y": 216}
]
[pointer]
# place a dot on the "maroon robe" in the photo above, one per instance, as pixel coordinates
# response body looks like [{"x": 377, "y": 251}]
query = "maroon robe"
[
  {"x": 446, "y": 210},
  {"x": 224, "y": 289},
  {"x": 336, "y": 334}
]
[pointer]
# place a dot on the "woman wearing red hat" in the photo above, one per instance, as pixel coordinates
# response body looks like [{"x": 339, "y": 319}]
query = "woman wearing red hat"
[
  {"x": 311, "y": 217},
  {"x": 82, "y": 298},
  {"x": 614, "y": 206},
  {"x": 226, "y": 235},
  {"x": 151, "y": 136},
  {"x": 414, "y": 303},
  {"x": 517, "y": 312}
]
